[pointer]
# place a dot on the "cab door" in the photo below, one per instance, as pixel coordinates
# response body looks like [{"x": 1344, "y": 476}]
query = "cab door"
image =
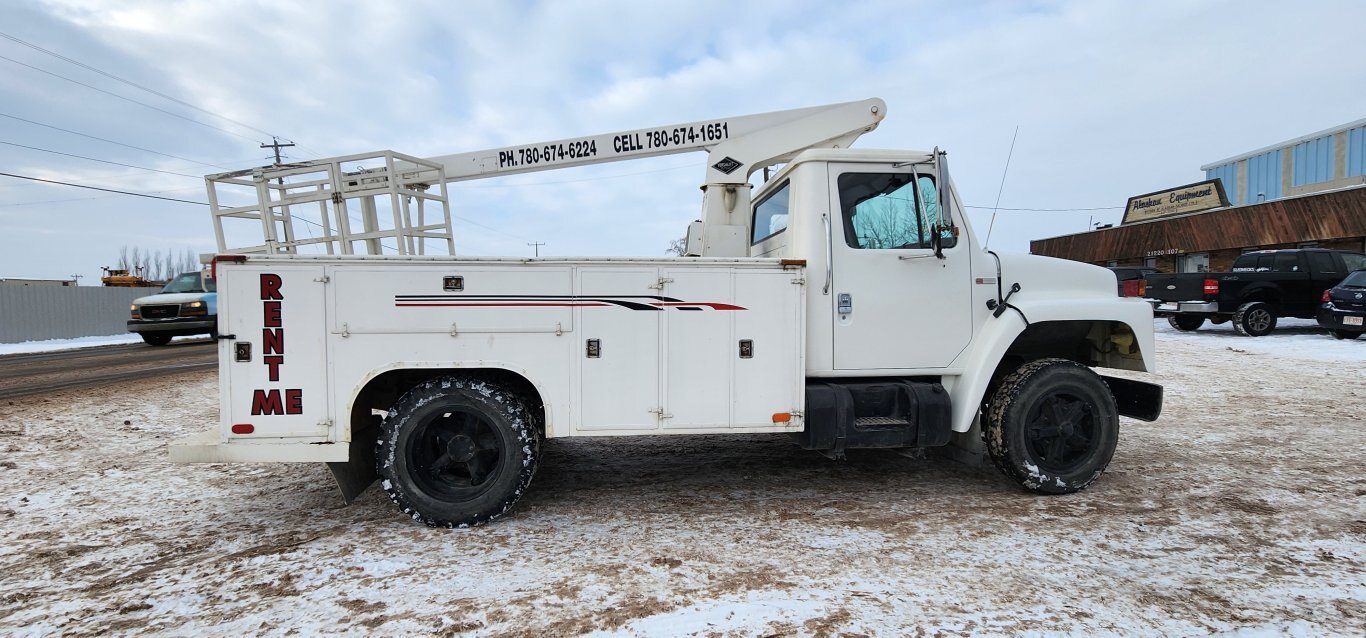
[{"x": 896, "y": 304}]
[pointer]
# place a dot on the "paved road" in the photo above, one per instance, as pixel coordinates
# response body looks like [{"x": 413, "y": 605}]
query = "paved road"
[{"x": 34, "y": 373}]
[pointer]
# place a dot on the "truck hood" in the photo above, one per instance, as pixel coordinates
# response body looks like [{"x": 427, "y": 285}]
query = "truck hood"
[
  {"x": 170, "y": 298},
  {"x": 1038, "y": 274}
]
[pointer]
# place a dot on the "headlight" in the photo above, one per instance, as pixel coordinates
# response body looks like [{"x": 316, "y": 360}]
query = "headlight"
[
  {"x": 134, "y": 310},
  {"x": 195, "y": 304}
]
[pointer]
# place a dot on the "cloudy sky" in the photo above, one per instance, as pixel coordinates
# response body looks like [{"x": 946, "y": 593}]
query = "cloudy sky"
[{"x": 1112, "y": 99}]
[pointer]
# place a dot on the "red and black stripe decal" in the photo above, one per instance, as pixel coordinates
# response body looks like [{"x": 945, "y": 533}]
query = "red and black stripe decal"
[{"x": 630, "y": 302}]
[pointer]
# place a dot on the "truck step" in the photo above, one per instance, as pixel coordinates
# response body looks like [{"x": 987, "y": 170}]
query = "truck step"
[
  {"x": 866, "y": 422},
  {"x": 862, "y": 413}
]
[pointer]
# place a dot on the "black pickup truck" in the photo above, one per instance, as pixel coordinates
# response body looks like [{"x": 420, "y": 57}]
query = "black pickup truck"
[{"x": 1263, "y": 285}]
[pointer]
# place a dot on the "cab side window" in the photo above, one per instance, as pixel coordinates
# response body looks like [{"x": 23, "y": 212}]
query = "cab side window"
[
  {"x": 1287, "y": 262},
  {"x": 770, "y": 215},
  {"x": 1322, "y": 263},
  {"x": 1354, "y": 261},
  {"x": 890, "y": 211}
]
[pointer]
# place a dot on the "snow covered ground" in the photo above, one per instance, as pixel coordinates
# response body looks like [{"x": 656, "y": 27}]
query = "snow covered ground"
[
  {"x": 1240, "y": 512},
  {"x": 52, "y": 345}
]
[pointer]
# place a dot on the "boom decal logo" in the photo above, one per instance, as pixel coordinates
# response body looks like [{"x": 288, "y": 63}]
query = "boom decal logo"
[{"x": 630, "y": 302}]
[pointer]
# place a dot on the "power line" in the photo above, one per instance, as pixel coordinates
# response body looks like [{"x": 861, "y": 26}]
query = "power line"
[
  {"x": 137, "y": 148},
  {"x": 143, "y": 168},
  {"x": 129, "y": 99},
  {"x": 1046, "y": 210},
  {"x": 86, "y": 199},
  {"x": 107, "y": 190},
  {"x": 129, "y": 82}
]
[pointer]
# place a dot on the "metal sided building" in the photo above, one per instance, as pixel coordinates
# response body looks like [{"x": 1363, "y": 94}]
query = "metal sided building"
[{"x": 1305, "y": 192}]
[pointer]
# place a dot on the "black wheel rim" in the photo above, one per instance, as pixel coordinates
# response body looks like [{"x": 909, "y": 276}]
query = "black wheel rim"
[
  {"x": 1061, "y": 432},
  {"x": 1258, "y": 320},
  {"x": 454, "y": 455}
]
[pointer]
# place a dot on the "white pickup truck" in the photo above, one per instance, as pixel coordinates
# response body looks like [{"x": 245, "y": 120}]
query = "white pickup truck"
[{"x": 845, "y": 303}]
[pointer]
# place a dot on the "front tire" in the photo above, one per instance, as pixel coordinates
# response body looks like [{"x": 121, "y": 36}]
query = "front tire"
[
  {"x": 155, "y": 339},
  {"x": 1345, "y": 334},
  {"x": 457, "y": 452},
  {"x": 1052, "y": 426},
  {"x": 1186, "y": 323},
  {"x": 1254, "y": 319}
]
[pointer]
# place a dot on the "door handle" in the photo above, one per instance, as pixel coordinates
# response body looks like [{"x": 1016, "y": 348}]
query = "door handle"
[{"x": 829, "y": 268}]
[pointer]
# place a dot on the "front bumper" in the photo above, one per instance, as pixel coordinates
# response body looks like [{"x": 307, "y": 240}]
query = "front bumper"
[{"x": 175, "y": 327}]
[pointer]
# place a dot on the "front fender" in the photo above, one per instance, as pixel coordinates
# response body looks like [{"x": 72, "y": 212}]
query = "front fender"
[{"x": 998, "y": 334}]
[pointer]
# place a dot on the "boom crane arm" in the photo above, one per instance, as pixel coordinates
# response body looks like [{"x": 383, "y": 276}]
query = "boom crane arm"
[{"x": 736, "y": 147}]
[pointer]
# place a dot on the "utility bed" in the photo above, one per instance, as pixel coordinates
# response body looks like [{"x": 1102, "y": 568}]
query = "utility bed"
[{"x": 641, "y": 345}]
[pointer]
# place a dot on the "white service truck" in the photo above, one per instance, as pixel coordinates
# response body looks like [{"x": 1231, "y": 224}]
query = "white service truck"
[{"x": 844, "y": 303}]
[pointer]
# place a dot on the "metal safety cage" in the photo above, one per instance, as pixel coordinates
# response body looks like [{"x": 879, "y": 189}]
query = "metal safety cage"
[{"x": 409, "y": 208}]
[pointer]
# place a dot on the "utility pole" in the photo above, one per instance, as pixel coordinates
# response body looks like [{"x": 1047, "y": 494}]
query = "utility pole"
[
  {"x": 537, "y": 245},
  {"x": 275, "y": 144},
  {"x": 76, "y": 279}
]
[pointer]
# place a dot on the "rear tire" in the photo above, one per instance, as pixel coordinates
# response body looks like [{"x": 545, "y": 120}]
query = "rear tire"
[
  {"x": 1254, "y": 319},
  {"x": 1345, "y": 334},
  {"x": 457, "y": 452},
  {"x": 1052, "y": 426},
  {"x": 155, "y": 339},
  {"x": 1186, "y": 323}
]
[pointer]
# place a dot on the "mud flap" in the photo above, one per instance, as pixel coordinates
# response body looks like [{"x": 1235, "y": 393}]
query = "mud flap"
[
  {"x": 965, "y": 447},
  {"x": 358, "y": 472}
]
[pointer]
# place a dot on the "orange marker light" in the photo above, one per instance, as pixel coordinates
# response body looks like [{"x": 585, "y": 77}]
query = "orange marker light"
[{"x": 782, "y": 417}]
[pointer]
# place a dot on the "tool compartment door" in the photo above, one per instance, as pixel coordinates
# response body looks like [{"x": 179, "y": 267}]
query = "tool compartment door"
[
  {"x": 274, "y": 372},
  {"x": 619, "y": 378}
]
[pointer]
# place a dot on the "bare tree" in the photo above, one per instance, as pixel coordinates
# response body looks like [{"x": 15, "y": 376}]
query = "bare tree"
[
  {"x": 157, "y": 265},
  {"x": 678, "y": 247}
]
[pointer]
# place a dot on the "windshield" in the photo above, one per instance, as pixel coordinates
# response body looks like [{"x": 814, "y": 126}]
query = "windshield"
[
  {"x": 189, "y": 282},
  {"x": 1357, "y": 279}
]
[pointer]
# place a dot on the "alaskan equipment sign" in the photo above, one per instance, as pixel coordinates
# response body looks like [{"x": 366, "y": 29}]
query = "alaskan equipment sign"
[{"x": 1191, "y": 198}]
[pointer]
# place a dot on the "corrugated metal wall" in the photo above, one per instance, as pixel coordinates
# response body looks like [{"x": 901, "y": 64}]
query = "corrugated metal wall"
[
  {"x": 1313, "y": 161},
  {"x": 1228, "y": 174},
  {"x": 35, "y": 313},
  {"x": 1356, "y": 151},
  {"x": 1264, "y": 177}
]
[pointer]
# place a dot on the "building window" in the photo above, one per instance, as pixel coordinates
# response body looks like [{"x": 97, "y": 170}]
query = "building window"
[
  {"x": 1313, "y": 161},
  {"x": 1263, "y": 177},
  {"x": 1356, "y": 151},
  {"x": 1228, "y": 175},
  {"x": 1193, "y": 262}
]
